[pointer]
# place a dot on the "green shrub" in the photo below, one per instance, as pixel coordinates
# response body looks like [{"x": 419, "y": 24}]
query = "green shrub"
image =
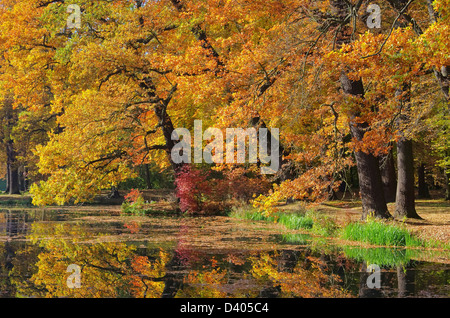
[{"x": 134, "y": 203}]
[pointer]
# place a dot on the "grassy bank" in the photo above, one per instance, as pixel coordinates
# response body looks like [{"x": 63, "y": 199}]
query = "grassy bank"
[
  {"x": 379, "y": 233},
  {"x": 292, "y": 221},
  {"x": 372, "y": 231}
]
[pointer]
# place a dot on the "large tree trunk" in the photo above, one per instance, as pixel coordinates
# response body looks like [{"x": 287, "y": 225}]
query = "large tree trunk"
[
  {"x": 167, "y": 129},
  {"x": 369, "y": 175},
  {"x": 423, "y": 192},
  {"x": 160, "y": 107},
  {"x": 405, "y": 200},
  {"x": 370, "y": 183},
  {"x": 405, "y": 203},
  {"x": 165, "y": 122},
  {"x": 388, "y": 177}
]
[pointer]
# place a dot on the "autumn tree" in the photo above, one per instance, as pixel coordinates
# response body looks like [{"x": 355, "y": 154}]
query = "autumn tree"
[
  {"x": 371, "y": 73},
  {"x": 133, "y": 71},
  {"x": 111, "y": 113}
]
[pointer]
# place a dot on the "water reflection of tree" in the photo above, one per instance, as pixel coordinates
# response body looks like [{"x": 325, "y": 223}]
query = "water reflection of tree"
[
  {"x": 389, "y": 259},
  {"x": 399, "y": 278},
  {"x": 13, "y": 223},
  {"x": 406, "y": 281},
  {"x": 108, "y": 269},
  {"x": 287, "y": 273},
  {"x": 307, "y": 278},
  {"x": 6, "y": 252},
  {"x": 117, "y": 269}
]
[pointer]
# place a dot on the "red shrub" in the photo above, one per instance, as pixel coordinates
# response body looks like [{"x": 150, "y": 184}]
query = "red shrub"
[
  {"x": 192, "y": 187},
  {"x": 200, "y": 193}
]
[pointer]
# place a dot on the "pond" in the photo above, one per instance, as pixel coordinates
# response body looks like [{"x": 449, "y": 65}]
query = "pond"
[{"x": 97, "y": 252}]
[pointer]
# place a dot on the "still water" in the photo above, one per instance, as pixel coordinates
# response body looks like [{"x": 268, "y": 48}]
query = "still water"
[{"x": 97, "y": 252}]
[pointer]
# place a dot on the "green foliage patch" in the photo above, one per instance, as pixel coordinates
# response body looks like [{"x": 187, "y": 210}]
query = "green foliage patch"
[{"x": 380, "y": 233}]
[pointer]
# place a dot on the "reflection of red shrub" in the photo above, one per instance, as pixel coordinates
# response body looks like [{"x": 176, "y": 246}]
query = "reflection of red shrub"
[
  {"x": 132, "y": 226},
  {"x": 200, "y": 193}
]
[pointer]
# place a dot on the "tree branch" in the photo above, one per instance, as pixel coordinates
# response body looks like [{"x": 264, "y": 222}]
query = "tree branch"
[{"x": 400, "y": 13}]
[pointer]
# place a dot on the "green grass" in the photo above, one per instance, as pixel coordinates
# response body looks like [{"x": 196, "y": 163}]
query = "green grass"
[
  {"x": 372, "y": 231},
  {"x": 293, "y": 221},
  {"x": 380, "y": 233},
  {"x": 248, "y": 214},
  {"x": 25, "y": 202}
]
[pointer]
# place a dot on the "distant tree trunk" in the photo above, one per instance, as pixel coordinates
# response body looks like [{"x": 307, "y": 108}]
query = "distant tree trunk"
[
  {"x": 8, "y": 168},
  {"x": 148, "y": 181},
  {"x": 13, "y": 173},
  {"x": 369, "y": 175},
  {"x": 388, "y": 177},
  {"x": 332, "y": 196},
  {"x": 424, "y": 193},
  {"x": 25, "y": 178},
  {"x": 286, "y": 169},
  {"x": 14, "y": 181},
  {"x": 405, "y": 201},
  {"x": 447, "y": 184},
  {"x": 114, "y": 194},
  {"x": 21, "y": 181}
]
